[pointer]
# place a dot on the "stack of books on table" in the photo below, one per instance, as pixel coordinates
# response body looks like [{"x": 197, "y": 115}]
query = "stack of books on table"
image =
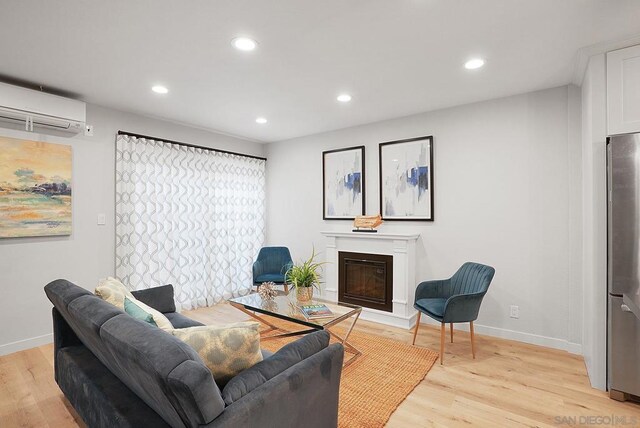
[{"x": 315, "y": 311}]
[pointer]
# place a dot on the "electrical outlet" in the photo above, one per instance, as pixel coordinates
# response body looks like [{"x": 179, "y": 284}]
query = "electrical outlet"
[
  {"x": 88, "y": 130},
  {"x": 515, "y": 312}
]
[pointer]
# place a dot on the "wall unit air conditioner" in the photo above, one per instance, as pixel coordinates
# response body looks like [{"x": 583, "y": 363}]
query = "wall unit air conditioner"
[{"x": 40, "y": 112}]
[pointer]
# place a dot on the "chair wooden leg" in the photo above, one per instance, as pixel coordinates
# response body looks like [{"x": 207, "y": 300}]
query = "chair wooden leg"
[
  {"x": 473, "y": 345},
  {"x": 451, "y": 328},
  {"x": 286, "y": 288},
  {"x": 442, "y": 334},
  {"x": 415, "y": 330}
]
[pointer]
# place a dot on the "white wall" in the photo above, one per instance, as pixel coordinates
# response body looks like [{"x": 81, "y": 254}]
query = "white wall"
[
  {"x": 594, "y": 254},
  {"x": 506, "y": 180},
  {"x": 575, "y": 293},
  {"x": 27, "y": 264}
]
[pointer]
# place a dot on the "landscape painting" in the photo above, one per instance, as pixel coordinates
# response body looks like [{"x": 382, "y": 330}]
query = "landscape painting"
[
  {"x": 343, "y": 183},
  {"x": 35, "y": 188},
  {"x": 406, "y": 179}
]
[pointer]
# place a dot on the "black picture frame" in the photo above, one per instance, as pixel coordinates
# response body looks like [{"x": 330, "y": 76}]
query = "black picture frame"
[
  {"x": 326, "y": 159},
  {"x": 384, "y": 165}
]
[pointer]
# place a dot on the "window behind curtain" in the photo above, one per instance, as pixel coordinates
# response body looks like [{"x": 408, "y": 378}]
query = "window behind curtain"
[{"x": 186, "y": 216}]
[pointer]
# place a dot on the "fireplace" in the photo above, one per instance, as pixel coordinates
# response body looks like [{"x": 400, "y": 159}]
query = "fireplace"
[
  {"x": 366, "y": 280},
  {"x": 401, "y": 247}
]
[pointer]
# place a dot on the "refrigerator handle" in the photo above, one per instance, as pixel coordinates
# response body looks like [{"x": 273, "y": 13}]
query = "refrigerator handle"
[{"x": 628, "y": 305}]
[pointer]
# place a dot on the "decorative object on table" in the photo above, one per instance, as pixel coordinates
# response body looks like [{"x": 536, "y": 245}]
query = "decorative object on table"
[
  {"x": 406, "y": 179},
  {"x": 269, "y": 305},
  {"x": 304, "y": 277},
  {"x": 304, "y": 294},
  {"x": 294, "y": 309},
  {"x": 343, "y": 193},
  {"x": 315, "y": 312},
  {"x": 456, "y": 299},
  {"x": 267, "y": 290},
  {"x": 367, "y": 223},
  {"x": 271, "y": 265},
  {"x": 35, "y": 188}
]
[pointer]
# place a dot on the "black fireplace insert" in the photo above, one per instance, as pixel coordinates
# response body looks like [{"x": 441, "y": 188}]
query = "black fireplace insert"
[{"x": 366, "y": 279}]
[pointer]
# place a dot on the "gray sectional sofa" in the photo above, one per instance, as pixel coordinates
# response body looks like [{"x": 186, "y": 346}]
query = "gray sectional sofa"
[{"x": 121, "y": 372}]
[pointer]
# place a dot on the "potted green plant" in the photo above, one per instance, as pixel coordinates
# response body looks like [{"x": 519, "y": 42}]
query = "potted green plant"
[{"x": 304, "y": 277}]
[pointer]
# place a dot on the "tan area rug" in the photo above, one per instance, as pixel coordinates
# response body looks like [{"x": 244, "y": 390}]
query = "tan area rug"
[{"x": 374, "y": 385}]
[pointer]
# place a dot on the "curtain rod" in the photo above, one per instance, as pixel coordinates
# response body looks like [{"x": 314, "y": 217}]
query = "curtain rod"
[{"x": 132, "y": 134}]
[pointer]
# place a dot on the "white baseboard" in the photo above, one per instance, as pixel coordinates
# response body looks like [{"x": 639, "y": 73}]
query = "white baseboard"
[
  {"x": 574, "y": 348},
  {"x": 518, "y": 336},
  {"x": 21, "y": 345},
  {"x": 388, "y": 318}
]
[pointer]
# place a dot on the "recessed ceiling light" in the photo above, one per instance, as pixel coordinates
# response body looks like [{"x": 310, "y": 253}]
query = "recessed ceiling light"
[
  {"x": 474, "y": 63},
  {"x": 159, "y": 89},
  {"x": 244, "y": 43},
  {"x": 261, "y": 120},
  {"x": 344, "y": 98}
]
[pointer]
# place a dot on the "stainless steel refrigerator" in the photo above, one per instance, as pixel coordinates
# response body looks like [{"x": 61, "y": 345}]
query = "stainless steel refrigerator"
[{"x": 623, "y": 334}]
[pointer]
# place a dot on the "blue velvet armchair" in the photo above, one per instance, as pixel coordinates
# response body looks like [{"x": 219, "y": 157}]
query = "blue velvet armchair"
[
  {"x": 271, "y": 265},
  {"x": 452, "y": 300}
]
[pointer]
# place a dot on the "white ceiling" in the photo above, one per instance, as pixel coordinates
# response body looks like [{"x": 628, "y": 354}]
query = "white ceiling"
[{"x": 395, "y": 57}]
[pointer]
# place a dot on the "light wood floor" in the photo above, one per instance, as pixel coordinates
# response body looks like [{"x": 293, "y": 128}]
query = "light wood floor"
[{"x": 509, "y": 384}]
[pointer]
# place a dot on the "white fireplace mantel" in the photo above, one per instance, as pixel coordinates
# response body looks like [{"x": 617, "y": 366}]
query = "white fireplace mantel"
[
  {"x": 370, "y": 235},
  {"x": 402, "y": 246}
]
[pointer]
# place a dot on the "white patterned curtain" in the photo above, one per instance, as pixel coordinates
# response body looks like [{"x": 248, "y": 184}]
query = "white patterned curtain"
[{"x": 186, "y": 216}]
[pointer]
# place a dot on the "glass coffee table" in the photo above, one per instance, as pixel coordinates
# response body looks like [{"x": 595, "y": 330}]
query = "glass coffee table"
[{"x": 285, "y": 307}]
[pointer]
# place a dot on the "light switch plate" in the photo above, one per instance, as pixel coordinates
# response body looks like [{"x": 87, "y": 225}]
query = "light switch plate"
[{"x": 102, "y": 219}]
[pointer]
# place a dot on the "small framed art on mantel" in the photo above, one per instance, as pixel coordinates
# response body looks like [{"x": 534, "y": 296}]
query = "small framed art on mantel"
[
  {"x": 406, "y": 179},
  {"x": 343, "y": 195}
]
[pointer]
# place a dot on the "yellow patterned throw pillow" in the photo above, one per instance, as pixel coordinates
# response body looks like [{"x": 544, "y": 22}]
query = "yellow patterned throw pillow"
[
  {"x": 113, "y": 291},
  {"x": 225, "y": 350}
]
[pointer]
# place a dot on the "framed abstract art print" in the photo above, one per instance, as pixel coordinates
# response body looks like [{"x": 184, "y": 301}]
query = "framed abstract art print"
[
  {"x": 406, "y": 179},
  {"x": 343, "y": 183}
]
